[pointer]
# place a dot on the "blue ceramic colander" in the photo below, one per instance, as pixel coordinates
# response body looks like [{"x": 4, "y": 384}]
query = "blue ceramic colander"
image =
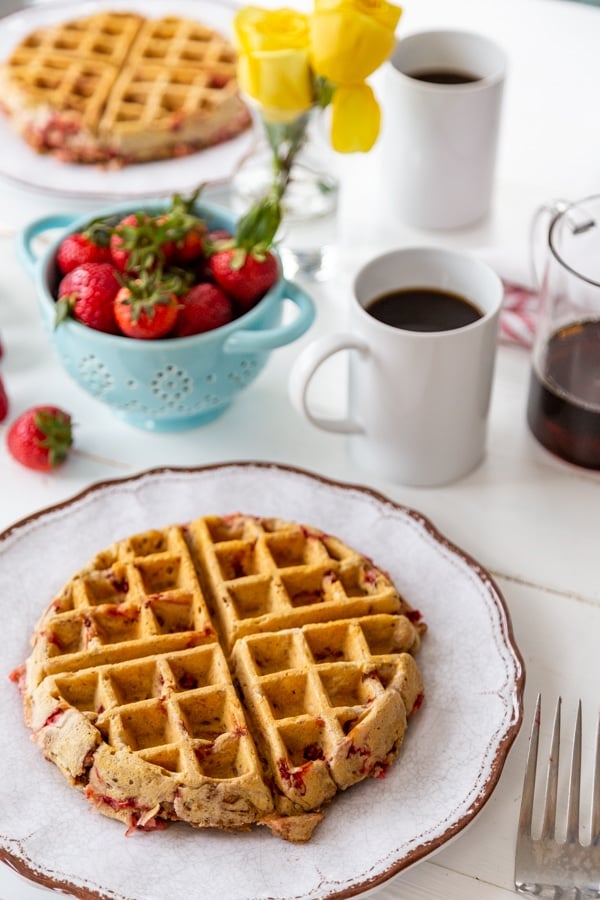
[{"x": 170, "y": 384}]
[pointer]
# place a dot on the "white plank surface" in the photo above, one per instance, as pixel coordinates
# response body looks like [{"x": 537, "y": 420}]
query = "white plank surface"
[{"x": 531, "y": 520}]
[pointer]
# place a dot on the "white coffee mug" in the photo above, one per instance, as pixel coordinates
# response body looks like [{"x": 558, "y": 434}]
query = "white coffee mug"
[
  {"x": 439, "y": 141},
  {"x": 418, "y": 401}
]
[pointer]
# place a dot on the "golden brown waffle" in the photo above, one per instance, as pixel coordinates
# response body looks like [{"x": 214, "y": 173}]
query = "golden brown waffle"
[
  {"x": 75, "y": 89},
  {"x": 267, "y": 574},
  {"x": 233, "y": 671},
  {"x": 115, "y": 87},
  {"x": 105, "y": 37},
  {"x": 174, "y": 42},
  {"x": 328, "y": 702}
]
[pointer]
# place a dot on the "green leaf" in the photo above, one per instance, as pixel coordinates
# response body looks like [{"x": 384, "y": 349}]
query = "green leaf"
[
  {"x": 58, "y": 435},
  {"x": 257, "y": 228},
  {"x": 63, "y": 309},
  {"x": 324, "y": 91}
]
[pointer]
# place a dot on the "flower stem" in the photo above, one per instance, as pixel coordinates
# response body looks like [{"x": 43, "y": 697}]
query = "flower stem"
[
  {"x": 286, "y": 139},
  {"x": 258, "y": 227}
]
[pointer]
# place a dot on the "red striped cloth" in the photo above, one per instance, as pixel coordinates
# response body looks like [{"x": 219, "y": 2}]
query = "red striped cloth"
[{"x": 518, "y": 317}]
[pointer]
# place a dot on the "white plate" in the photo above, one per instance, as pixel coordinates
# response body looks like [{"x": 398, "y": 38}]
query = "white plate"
[
  {"x": 19, "y": 163},
  {"x": 452, "y": 757}
]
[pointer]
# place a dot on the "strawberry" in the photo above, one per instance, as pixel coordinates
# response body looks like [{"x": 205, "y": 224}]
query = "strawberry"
[
  {"x": 41, "y": 438},
  {"x": 246, "y": 268},
  {"x": 185, "y": 230},
  {"x": 189, "y": 247},
  {"x": 203, "y": 308},
  {"x": 3, "y": 402},
  {"x": 140, "y": 242},
  {"x": 87, "y": 294},
  {"x": 215, "y": 240},
  {"x": 245, "y": 276},
  {"x": 147, "y": 307},
  {"x": 91, "y": 245}
]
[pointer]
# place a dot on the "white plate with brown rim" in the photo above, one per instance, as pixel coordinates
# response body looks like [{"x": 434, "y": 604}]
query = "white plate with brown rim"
[{"x": 449, "y": 765}]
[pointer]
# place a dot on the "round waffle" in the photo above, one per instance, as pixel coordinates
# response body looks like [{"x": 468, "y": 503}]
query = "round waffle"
[
  {"x": 232, "y": 671},
  {"x": 116, "y": 87}
]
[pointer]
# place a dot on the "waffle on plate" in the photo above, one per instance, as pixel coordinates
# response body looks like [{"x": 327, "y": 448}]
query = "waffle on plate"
[
  {"x": 118, "y": 88},
  {"x": 233, "y": 671}
]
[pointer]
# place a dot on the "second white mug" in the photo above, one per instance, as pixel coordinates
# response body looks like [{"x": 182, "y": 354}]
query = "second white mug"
[
  {"x": 441, "y": 104},
  {"x": 418, "y": 400}
]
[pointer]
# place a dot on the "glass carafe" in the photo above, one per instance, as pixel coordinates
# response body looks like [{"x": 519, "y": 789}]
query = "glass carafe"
[{"x": 563, "y": 409}]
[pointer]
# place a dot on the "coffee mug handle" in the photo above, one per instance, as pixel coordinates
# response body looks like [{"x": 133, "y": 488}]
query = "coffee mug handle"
[{"x": 306, "y": 365}]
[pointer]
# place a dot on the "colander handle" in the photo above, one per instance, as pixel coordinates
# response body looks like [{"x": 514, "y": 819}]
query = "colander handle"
[
  {"x": 269, "y": 338},
  {"x": 29, "y": 233}
]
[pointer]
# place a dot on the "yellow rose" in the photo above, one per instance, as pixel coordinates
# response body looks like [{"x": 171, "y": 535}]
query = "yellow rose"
[
  {"x": 355, "y": 119},
  {"x": 273, "y": 60},
  {"x": 351, "y": 38}
]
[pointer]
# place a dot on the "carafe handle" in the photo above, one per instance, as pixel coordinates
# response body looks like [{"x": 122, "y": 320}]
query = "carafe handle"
[{"x": 578, "y": 218}]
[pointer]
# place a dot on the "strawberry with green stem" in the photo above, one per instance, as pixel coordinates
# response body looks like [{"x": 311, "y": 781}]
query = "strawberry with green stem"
[
  {"x": 186, "y": 231},
  {"x": 87, "y": 294},
  {"x": 245, "y": 267},
  {"x": 140, "y": 242},
  {"x": 146, "y": 307},
  {"x": 41, "y": 438},
  {"x": 87, "y": 246}
]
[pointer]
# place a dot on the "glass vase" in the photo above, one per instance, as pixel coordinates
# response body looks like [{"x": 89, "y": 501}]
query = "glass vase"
[{"x": 296, "y": 156}]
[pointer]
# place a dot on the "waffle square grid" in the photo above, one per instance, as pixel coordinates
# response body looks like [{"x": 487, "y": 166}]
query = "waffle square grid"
[
  {"x": 117, "y": 87},
  {"x": 231, "y": 671}
]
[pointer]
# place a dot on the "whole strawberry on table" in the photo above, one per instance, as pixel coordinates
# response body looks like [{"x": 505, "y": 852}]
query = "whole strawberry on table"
[
  {"x": 41, "y": 438},
  {"x": 4, "y": 404},
  {"x": 165, "y": 275}
]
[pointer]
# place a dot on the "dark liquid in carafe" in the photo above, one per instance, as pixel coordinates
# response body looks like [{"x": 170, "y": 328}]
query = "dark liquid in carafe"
[
  {"x": 423, "y": 309},
  {"x": 563, "y": 409},
  {"x": 443, "y": 76}
]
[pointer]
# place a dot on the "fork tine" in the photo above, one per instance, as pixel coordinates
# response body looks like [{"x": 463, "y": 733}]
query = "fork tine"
[
  {"x": 549, "y": 822},
  {"x": 575, "y": 783},
  {"x": 595, "y": 836},
  {"x": 526, "y": 812},
  {"x": 548, "y": 866}
]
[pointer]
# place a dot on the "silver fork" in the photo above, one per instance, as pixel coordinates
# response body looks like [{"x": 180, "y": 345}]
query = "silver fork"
[{"x": 544, "y": 865}]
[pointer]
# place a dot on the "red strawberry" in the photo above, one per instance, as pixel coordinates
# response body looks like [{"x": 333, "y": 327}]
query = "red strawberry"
[
  {"x": 180, "y": 238},
  {"x": 41, "y": 438},
  {"x": 141, "y": 243},
  {"x": 91, "y": 245},
  {"x": 146, "y": 309},
  {"x": 87, "y": 294},
  {"x": 185, "y": 231},
  {"x": 245, "y": 276},
  {"x": 245, "y": 267},
  {"x": 203, "y": 308},
  {"x": 190, "y": 247},
  {"x": 3, "y": 402}
]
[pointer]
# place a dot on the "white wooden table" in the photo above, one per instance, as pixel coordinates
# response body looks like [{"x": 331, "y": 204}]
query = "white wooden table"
[{"x": 531, "y": 520}]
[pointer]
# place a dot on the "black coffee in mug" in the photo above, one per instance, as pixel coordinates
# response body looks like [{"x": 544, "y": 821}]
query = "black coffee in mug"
[
  {"x": 443, "y": 76},
  {"x": 423, "y": 309}
]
